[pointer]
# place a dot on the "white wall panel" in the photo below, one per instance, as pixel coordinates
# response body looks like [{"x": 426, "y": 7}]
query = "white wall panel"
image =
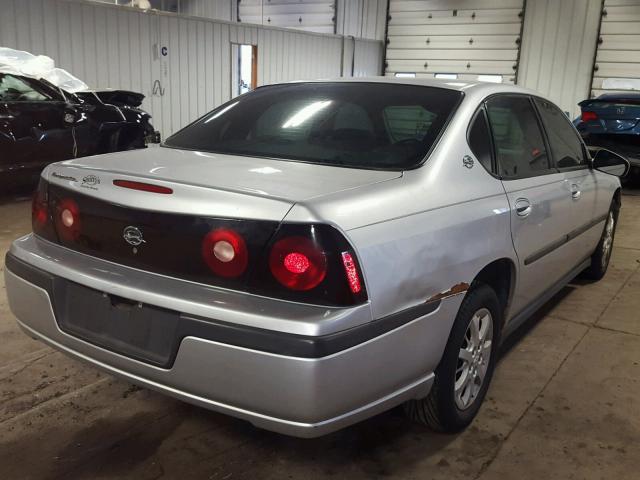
[
  {"x": 214, "y": 9},
  {"x": 308, "y": 15},
  {"x": 618, "y": 56},
  {"x": 558, "y": 46},
  {"x": 463, "y": 37},
  {"x": 361, "y": 18},
  {"x": 367, "y": 58},
  {"x": 118, "y": 47}
]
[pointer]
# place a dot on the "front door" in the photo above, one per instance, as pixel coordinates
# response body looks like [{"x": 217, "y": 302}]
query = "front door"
[
  {"x": 541, "y": 208},
  {"x": 570, "y": 157}
]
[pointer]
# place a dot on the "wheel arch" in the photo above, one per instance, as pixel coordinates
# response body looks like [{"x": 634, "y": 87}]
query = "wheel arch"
[
  {"x": 617, "y": 197},
  {"x": 500, "y": 275}
]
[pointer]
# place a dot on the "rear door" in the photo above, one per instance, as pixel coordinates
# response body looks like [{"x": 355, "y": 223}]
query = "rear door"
[
  {"x": 570, "y": 157},
  {"x": 540, "y": 203}
]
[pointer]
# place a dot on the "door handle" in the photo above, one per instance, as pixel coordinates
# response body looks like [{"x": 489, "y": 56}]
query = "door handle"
[
  {"x": 575, "y": 191},
  {"x": 523, "y": 207}
]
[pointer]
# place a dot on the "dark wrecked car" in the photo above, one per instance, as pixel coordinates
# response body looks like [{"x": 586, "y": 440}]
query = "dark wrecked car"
[{"x": 41, "y": 124}]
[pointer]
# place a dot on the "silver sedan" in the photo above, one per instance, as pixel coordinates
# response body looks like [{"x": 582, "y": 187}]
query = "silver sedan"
[{"x": 311, "y": 254}]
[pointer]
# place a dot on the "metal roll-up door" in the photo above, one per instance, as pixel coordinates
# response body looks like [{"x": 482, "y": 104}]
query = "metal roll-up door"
[
  {"x": 309, "y": 15},
  {"x": 460, "y": 39},
  {"x": 617, "y": 64}
]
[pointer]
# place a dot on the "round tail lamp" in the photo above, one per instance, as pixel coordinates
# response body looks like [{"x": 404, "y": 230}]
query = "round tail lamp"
[
  {"x": 67, "y": 219},
  {"x": 225, "y": 253},
  {"x": 298, "y": 263}
]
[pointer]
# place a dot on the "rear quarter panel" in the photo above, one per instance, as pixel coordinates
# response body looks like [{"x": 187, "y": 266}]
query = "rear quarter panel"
[{"x": 424, "y": 233}]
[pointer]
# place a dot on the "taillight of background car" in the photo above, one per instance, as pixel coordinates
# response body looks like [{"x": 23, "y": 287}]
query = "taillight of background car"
[{"x": 588, "y": 116}]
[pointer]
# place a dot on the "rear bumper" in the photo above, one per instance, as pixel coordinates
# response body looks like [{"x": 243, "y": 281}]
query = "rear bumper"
[{"x": 304, "y": 396}]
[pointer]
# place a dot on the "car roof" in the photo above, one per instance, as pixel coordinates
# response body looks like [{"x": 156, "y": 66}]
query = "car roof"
[{"x": 450, "y": 84}]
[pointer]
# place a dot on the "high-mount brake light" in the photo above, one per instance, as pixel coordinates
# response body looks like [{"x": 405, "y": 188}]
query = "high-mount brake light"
[
  {"x": 144, "y": 187},
  {"x": 588, "y": 116},
  {"x": 352, "y": 272},
  {"x": 298, "y": 263},
  {"x": 67, "y": 219},
  {"x": 225, "y": 253}
]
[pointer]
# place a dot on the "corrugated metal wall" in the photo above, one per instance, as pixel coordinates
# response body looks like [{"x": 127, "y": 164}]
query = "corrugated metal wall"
[
  {"x": 466, "y": 38},
  {"x": 361, "y": 18},
  {"x": 308, "y": 15},
  {"x": 215, "y": 9},
  {"x": 558, "y": 46},
  {"x": 119, "y": 47},
  {"x": 618, "y": 60},
  {"x": 368, "y": 58}
]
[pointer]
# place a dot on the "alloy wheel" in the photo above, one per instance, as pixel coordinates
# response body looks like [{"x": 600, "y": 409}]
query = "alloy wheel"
[
  {"x": 473, "y": 359},
  {"x": 607, "y": 240}
]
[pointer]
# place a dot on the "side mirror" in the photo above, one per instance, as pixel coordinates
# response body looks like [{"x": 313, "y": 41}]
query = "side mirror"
[
  {"x": 72, "y": 116},
  {"x": 606, "y": 161}
]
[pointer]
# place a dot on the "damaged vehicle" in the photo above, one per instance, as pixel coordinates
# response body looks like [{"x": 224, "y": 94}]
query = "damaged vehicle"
[
  {"x": 42, "y": 124},
  {"x": 311, "y": 254}
]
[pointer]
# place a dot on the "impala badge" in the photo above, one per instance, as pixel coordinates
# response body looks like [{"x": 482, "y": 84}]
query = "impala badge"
[{"x": 133, "y": 236}]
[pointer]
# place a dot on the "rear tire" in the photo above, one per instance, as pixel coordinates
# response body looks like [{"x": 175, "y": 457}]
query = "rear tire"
[
  {"x": 466, "y": 368},
  {"x": 601, "y": 257}
]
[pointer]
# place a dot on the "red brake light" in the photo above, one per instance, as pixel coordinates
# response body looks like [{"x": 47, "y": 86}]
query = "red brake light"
[
  {"x": 67, "y": 219},
  {"x": 587, "y": 116},
  {"x": 352, "y": 272},
  {"x": 225, "y": 253},
  {"x": 145, "y": 187},
  {"x": 39, "y": 211},
  {"x": 298, "y": 263}
]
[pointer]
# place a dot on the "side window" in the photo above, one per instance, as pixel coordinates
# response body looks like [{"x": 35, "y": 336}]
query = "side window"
[
  {"x": 15, "y": 89},
  {"x": 519, "y": 144},
  {"x": 479, "y": 139},
  {"x": 564, "y": 143}
]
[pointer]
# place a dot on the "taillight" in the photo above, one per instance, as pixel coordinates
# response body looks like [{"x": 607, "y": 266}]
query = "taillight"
[
  {"x": 67, "y": 219},
  {"x": 225, "y": 253},
  {"x": 39, "y": 210},
  {"x": 298, "y": 263},
  {"x": 40, "y": 215},
  {"x": 588, "y": 116},
  {"x": 309, "y": 263},
  {"x": 351, "y": 271}
]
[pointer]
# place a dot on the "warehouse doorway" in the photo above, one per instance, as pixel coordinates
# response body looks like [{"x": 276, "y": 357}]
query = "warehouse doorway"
[{"x": 244, "y": 69}]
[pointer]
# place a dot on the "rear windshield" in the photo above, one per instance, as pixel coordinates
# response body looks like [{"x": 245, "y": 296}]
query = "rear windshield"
[{"x": 361, "y": 125}]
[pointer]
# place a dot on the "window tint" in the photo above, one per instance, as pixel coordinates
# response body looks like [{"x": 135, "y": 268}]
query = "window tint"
[
  {"x": 363, "y": 125},
  {"x": 410, "y": 122},
  {"x": 566, "y": 147},
  {"x": 16, "y": 89},
  {"x": 520, "y": 148},
  {"x": 479, "y": 140}
]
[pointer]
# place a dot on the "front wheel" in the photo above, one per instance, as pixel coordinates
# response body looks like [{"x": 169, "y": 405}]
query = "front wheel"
[{"x": 465, "y": 371}]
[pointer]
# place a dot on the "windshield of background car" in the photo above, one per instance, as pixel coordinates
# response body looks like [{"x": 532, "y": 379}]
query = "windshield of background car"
[
  {"x": 21, "y": 89},
  {"x": 360, "y": 125}
]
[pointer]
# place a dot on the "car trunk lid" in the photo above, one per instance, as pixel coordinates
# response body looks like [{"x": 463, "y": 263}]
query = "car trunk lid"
[
  {"x": 269, "y": 179},
  {"x": 613, "y": 116}
]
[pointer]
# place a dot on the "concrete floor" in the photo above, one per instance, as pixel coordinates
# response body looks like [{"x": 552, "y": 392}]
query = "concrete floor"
[{"x": 564, "y": 403}]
